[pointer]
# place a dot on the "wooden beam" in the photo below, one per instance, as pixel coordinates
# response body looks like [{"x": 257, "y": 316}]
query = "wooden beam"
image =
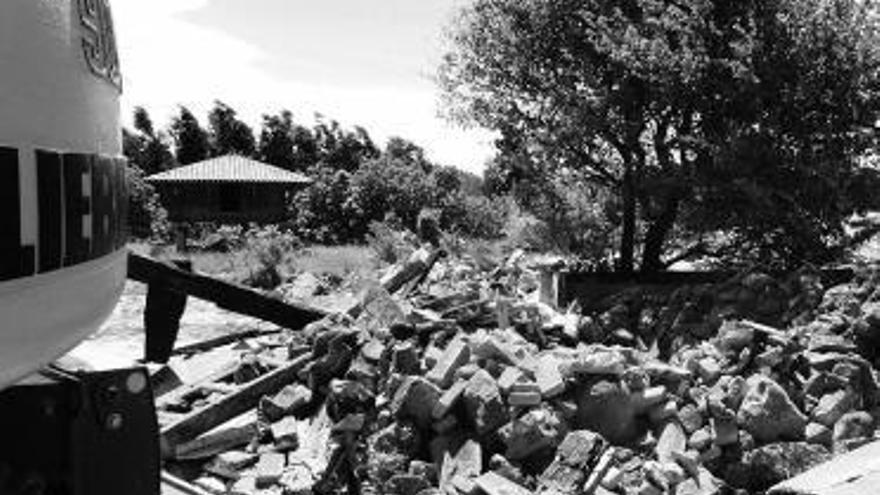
[
  {"x": 230, "y": 406},
  {"x": 221, "y": 340},
  {"x": 225, "y": 295}
]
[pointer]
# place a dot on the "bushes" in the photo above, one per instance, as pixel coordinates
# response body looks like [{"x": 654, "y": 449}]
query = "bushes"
[
  {"x": 147, "y": 219},
  {"x": 341, "y": 207}
]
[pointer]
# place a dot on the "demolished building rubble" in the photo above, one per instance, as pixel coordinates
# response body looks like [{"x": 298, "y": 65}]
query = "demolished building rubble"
[{"x": 468, "y": 383}]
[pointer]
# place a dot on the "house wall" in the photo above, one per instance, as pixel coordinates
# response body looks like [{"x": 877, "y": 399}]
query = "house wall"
[{"x": 225, "y": 202}]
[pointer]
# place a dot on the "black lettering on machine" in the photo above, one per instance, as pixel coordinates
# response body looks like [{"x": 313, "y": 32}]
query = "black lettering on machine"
[{"x": 82, "y": 205}]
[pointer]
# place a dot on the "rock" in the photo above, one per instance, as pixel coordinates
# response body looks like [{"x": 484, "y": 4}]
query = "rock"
[
  {"x": 448, "y": 400},
  {"x": 646, "y": 399},
  {"x": 415, "y": 398},
  {"x": 672, "y": 439},
  {"x": 660, "y": 414},
  {"x": 612, "y": 479},
  {"x": 509, "y": 377},
  {"x": 348, "y": 397},
  {"x": 537, "y": 430},
  {"x": 391, "y": 450},
  {"x": 700, "y": 439},
  {"x": 704, "y": 483},
  {"x": 235, "y": 460},
  {"x": 373, "y": 350},
  {"x": 818, "y": 433},
  {"x": 405, "y": 358},
  {"x": 424, "y": 469},
  {"x": 288, "y": 401},
  {"x": 768, "y": 413},
  {"x": 690, "y": 418},
  {"x": 457, "y": 354},
  {"x": 733, "y": 337},
  {"x": 598, "y": 360},
  {"x": 270, "y": 467},
  {"x": 210, "y": 484},
  {"x": 762, "y": 468},
  {"x": 607, "y": 409},
  {"x": 494, "y": 484},
  {"x": 405, "y": 484},
  {"x": 708, "y": 369},
  {"x": 500, "y": 465},
  {"x": 483, "y": 403},
  {"x": 285, "y": 434},
  {"x": 524, "y": 399},
  {"x": 724, "y": 431},
  {"x": 548, "y": 377},
  {"x": 833, "y": 406},
  {"x": 853, "y": 425}
]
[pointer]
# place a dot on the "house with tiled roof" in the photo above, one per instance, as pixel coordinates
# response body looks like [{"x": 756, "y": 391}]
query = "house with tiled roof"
[{"x": 227, "y": 189}]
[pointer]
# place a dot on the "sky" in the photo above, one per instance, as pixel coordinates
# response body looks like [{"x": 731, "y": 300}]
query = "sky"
[{"x": 360, "y": 62}]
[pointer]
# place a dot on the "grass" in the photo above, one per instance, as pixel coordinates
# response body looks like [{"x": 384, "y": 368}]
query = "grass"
[{"x": 341, "y": 262}]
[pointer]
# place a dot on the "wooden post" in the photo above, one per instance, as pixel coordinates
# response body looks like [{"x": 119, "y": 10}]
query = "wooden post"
[{"x": 162, "y": 317}]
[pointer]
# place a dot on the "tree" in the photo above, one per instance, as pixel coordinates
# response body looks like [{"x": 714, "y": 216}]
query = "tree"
[
  {"x": 699, "y": 116},
  {"x": 341, "y": 149},
  {"x": 190, "y": 139},
  {"x": 276, "y": 140},
  {"x": 228, "y": 134},
  {"x": 147, "y": 149},
  {"x": 401, "y": 149}
]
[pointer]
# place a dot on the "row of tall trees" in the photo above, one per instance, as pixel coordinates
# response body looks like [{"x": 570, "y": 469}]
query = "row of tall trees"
[
  {"x": 354, "y": 184},
  {"x": 281, "y": 141}
]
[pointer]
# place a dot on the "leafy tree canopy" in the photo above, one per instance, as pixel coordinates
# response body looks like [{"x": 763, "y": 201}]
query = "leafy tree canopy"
[
  {"x": 145, "y": 148},
  {"x": 228, "y": 134},
  {"x": 699, "y": 116},
  {"x": 190, "y": 139}
]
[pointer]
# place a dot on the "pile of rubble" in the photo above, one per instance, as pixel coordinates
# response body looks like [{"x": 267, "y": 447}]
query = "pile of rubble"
[{"x": 468, "y": 384}]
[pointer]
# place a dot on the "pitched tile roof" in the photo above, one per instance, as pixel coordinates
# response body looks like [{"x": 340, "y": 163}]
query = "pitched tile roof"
[{"x": 230, "y": 168}]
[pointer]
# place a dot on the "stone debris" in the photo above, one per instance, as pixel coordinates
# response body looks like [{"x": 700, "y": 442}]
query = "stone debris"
[{"x": 467, "y": 384}]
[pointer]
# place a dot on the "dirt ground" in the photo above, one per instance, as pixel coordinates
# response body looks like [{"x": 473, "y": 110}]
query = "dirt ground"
[{"x": 120, "y": 341}]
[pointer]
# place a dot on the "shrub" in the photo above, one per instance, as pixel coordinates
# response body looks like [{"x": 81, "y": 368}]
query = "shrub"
[
  {"x": 389, "y": 241},
  {"x": 268, "y": 247},
  {"x": 475, "y": 216},
  {"x": 147, "y": 219},
  {"x": 326, "y": 212}
]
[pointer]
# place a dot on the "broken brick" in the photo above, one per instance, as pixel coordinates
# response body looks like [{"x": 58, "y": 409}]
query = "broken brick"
[
  {"x": 494, "y": 484},
  {"x": 456, "y": 355},
  {"x": 509, "y": 377},
  {"x": 269, "y": 468},
  {"x": 548, "y": 377},
  {"x": 405, "y": 359},
  {"x": 415, "y": 398},
  {"x": 536, "y": 430},
  {"x": 483, "y": 403},
  {"x": 448, "y": 400},
  {"x": 288, "y": 401},
  {"x": 285, "y": 434}
]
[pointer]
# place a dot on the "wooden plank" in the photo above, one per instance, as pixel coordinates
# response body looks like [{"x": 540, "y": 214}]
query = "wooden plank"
[
  {"x": 247, "y": 397},
  {"x": 221, "y": 340},
  {"x": 225, "y": 295}
]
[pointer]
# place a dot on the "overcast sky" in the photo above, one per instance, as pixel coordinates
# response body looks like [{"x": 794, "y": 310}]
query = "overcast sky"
[{"x": 361, "y": 62}]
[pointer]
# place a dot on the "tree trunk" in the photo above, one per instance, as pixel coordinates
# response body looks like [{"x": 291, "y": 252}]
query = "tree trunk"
[
  {"x": 656, "y": 236},
  {"x": 628, "y": 236}
]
